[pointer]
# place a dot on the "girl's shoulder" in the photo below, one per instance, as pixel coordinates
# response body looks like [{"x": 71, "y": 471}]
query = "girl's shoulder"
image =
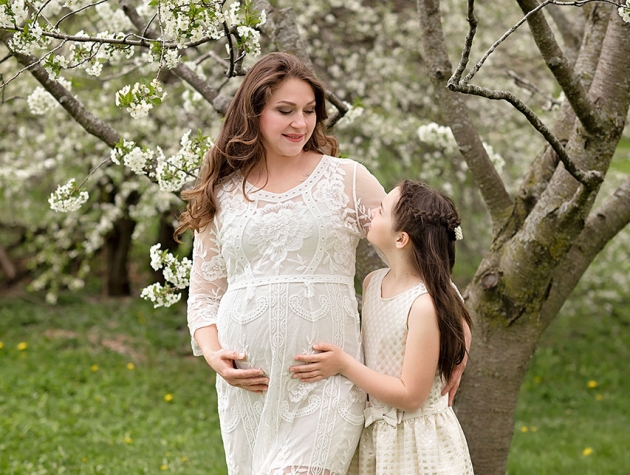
[{"x": 375, "y": 276}]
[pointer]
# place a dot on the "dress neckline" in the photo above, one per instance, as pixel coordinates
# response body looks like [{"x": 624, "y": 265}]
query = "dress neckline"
[
  {"x": 386, "y": 271},
  {"x": 259, "y": 193}
]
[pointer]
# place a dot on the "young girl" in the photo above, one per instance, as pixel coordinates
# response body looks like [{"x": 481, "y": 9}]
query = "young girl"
[{"x": 413, "y": 337}]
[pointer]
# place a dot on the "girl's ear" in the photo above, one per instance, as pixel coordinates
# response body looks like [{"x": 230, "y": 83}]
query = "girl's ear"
[{"x": 402, "y": 239}]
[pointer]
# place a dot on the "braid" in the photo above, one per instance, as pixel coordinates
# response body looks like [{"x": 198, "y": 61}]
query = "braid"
[{"x": 448, "y": 220}]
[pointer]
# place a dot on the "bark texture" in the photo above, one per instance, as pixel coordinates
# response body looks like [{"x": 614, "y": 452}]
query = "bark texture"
[{"x": 551, "y": 235}]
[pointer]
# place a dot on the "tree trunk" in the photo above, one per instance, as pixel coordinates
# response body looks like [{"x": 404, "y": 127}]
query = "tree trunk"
[
  {"x": 509, "y": 296},
  {"x": 116, "y": 252}
]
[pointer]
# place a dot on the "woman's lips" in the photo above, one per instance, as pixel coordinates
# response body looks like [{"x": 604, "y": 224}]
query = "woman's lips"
[{"x": 294, "y": 138}]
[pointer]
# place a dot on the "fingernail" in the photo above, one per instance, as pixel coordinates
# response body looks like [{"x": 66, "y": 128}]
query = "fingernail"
[{"x": 241, "y": 355}]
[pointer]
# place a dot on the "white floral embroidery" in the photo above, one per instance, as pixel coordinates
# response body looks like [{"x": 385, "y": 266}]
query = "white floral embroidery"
[
  {"x": 214, "y": 269},
  {"x": 279, "y": 229}
]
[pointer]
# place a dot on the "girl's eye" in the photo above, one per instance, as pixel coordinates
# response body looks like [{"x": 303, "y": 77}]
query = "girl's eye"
[{"x": 309, "y": 111}]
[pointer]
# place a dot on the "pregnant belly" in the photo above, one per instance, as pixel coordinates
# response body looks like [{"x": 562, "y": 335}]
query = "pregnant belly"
[{"x": 275, "y": 325}]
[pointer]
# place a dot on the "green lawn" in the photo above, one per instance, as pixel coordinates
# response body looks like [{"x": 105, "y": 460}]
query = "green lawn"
[
  {"x": 97, "y": 386},
  {"x": 574, "y": 408},
  {"x": 103, "y": 387}
]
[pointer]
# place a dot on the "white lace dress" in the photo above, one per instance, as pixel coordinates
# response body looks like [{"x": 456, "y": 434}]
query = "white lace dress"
[
  {"x": 276, "y": 274},
  {"x": 429, "y": 441}
]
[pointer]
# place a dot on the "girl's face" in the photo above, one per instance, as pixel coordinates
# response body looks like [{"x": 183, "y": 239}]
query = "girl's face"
[
  {"x": 381, "y": 233},
  {"x": 288, "y": 119}
]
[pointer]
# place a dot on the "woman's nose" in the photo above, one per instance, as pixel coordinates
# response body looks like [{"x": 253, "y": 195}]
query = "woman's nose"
[{"x": 298, "y": 122}]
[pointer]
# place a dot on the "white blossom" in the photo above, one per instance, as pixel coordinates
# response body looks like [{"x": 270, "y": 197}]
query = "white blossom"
[
  {"x": 624, "y": 12},
  {"x": 67, "y": 198},
  {"x": 40, "y": 101},
  {"x": 160, "y": 296},
  {"x": 139, "y": 99}
]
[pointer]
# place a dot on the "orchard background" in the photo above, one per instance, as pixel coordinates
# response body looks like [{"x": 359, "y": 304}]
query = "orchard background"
[{"x": 517, "y": 111}]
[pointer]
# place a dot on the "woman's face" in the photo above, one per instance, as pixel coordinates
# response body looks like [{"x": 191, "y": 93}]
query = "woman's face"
[{"x": 288, "y": 119}]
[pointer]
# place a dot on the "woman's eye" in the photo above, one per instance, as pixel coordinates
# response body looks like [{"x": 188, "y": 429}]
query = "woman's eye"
[
  {"x": 309, "y": 111},
  {"x": 284, "y": 112}
]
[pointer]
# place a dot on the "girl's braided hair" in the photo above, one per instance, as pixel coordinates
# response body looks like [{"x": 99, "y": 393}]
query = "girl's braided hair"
[{"x": 431, "y": 220}]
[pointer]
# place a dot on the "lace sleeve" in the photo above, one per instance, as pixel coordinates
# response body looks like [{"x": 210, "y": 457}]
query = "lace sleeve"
[
  {"x": 367, "y": 195},
  {"x": 208, "y": 282}
]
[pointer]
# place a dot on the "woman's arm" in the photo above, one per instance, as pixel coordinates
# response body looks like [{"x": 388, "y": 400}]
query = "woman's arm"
[
  {"x": 408, "y": 392},
  {"x": 452, "y": 385},
  {"x": 208, "y": 283}
]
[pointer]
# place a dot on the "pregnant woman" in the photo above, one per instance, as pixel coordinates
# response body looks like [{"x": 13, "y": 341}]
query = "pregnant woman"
[{"x": 277, "y": 219}]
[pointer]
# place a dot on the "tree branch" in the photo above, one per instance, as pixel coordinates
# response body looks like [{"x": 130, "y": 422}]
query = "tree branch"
[
  {"x": 495, "y": 196},
  {"x": 602, "y": 225},
  {"x": 589, "y": 178},
  {"x": 211, "y": 95},
  {"x": 541, "y": 171},
  {"x": 571, "y": 34},
  {"x": 92, "y": 124},
  {"x": 559, "y": 66}
]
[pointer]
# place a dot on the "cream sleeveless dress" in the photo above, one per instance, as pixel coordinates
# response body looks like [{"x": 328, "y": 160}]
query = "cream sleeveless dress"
[
  {"x": 275, "y": 273},
  {"x": 429, "y": 441}
]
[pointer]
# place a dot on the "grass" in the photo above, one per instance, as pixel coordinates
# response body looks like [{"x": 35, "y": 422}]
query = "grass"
[
  {"x": 109, "y": 387},
  {"x": 103, "y": 387},
  {"x": 573, "y": 411}
]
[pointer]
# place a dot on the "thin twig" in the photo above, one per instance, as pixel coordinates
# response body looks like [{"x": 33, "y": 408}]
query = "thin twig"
[
  {"x": 342, "y": 109},
  {"x": 472, "y": 30},
  {"x": 74, "y": 12},
  {"x": 519, "y": 81},
  {"x": 590, "y": 178}
]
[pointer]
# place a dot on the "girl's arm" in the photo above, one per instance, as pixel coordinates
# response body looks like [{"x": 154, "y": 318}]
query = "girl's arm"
[{"x": 408, "y": 392}]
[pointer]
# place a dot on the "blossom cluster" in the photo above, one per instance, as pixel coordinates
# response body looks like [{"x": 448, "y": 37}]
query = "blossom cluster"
[
  {"x": 176, "y": 273},
  {"x": 40, "y": 101},
  {"x": 624, "y": 12},
  {"x": 174, "y": 171},
  {"x": 67, "y": 198},
  {"x": 140, "y": 99},
  {"x": 441, "y": 137}
]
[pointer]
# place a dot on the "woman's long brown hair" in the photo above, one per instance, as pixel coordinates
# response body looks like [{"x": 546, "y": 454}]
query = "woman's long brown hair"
[
  {"x": 238, "y": 145},
  {"x": 430, "y": 218}
]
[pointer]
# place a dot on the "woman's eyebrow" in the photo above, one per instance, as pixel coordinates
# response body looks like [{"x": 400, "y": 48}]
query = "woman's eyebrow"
[{"x": 294, "y": 104}]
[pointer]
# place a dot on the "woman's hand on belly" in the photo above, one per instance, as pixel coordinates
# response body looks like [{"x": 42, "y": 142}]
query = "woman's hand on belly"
[{"x": 224, "y": 363}]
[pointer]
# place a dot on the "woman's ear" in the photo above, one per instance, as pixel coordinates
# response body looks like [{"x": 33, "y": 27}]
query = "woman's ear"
[{"x": 402, "y": 240}]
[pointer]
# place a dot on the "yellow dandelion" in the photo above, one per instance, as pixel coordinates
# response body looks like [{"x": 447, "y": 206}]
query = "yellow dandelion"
[
  {"x": 163, "y": 467},
  {"x": 94, "y": 368},
  {"x": 587, "y": 451},
  {"x": 183, "y": 459},
  {"x": 599, "y": 397},
  {"x": 533, "y": 428},
  {"x": 131, "y": 366},
  {"x": 537, "y": 379},
  {"x": 128, "y": 440},
  {"x": 168, "y": 397},
  {"x": 1, "y": 345},
  {"x": 524, "y": 429},
  {"x": 592, "y": 384},
  {"x": 22, "y": 346},
  {"x": 84, "y": 459}
]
